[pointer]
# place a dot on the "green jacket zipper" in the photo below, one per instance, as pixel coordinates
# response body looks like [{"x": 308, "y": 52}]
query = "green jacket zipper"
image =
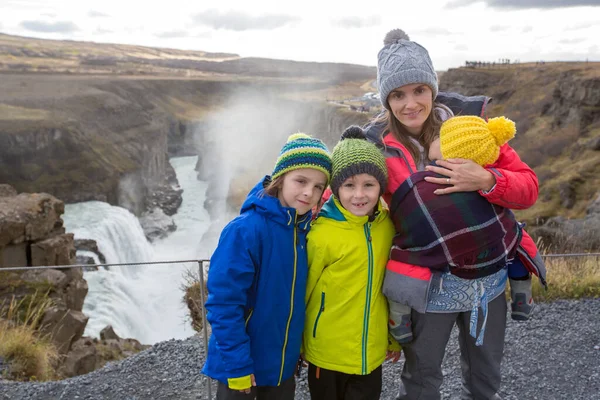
[
  {"x": 367, "y": 229},
  {"x": 319, "y": 314}
]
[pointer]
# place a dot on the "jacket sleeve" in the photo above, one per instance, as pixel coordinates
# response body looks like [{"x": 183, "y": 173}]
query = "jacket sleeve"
[
  {"x": 230, "y": 278},
  {"x": 516, "y": 183},
  {"x": 316, "y": 262}
]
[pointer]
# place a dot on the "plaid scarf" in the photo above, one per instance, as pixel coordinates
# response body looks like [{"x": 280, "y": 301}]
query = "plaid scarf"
[{"x": 459, "y": 232}]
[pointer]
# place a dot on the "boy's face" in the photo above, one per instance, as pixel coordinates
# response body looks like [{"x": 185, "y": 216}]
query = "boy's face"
[
  {"x": 359, "y": 194},
  {"x": 302, "y": 189}
]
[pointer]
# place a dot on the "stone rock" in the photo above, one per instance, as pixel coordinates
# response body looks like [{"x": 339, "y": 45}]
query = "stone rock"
[
  {"x": 594, "y": 207},
  {"x": 594, "y": 144},
  {"x": 54, "y": 277},
  {"x": 81, "y": 360},
  {"x": 57, "y": 250},
  {"x": 74, "y": 294},
  {"x": 64, "y": 327},
  {"x": 13, "y": 255},
  {"x": 7, "y": 190},
  {"x": 91, "y": 246},
  {"x": 108, "y": 333},
  {"x": 29, "y": 217},
  {"x": 156, "y": 224},
  {"x": 166, "y": 197}
]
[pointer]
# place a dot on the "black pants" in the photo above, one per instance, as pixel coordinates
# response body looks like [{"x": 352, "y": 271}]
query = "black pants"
[
  {"x": 285, "y": 391},
  {"x": 332, "y": 385}
]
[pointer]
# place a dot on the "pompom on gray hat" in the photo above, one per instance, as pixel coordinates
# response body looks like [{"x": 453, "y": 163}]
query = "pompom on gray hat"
[{"x": 402, "y": 62}]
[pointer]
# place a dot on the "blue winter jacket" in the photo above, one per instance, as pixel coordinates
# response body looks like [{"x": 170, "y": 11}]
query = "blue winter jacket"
[{"x": 256, "y": 287}]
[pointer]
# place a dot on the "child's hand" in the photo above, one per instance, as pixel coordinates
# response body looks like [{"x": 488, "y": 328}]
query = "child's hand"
[
  {"x": 393, "y": 355},
  {"x": 250, "y": 388},
  {"x": 241, "y": 384}
]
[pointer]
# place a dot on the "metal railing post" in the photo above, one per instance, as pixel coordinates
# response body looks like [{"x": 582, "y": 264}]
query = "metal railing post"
[{"x": 204, "y": 325}]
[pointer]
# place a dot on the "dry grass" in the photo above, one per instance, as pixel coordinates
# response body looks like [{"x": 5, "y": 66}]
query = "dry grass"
[
  {"x": 29, "y": 356},
  {"x": 570, "y": 278},
  {"x": 193, "y": 299},
  {"x": 12, "y": 113}
]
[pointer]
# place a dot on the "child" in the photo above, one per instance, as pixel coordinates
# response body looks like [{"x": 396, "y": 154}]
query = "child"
[
  {"x": 346, "y": 333},
  {"x": 257, "y": 278},
  {"x": 473, "y": 138}
]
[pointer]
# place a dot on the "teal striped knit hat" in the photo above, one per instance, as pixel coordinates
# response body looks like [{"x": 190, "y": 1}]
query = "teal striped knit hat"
[
  {"x": 354, "y": 155},
  {"x": 303, "y": 151}
]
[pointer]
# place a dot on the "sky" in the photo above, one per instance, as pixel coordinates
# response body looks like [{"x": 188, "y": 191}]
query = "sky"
[{"x": 453, "y": 31}]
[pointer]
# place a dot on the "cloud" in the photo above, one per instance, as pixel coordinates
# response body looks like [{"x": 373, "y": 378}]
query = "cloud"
[
  {"x": 172, "y": 34},
  {"x": 527, "y": 29},
  {"x": 571, "y": 41},
  {"x": 238, "y": 21},
  {"x": 357, "y": 22},
  {"x": 97, "y": 14},
  {"x": 499, "y": 28},
  {"x": 461, "y": 47},
  {"x": 102, "y": 31},
  {"x": 49, "y": 27},
  {"x": 524, "y": 4},
  {"x": 583, "y": 25},
  {"x": 434, "y": 31}
]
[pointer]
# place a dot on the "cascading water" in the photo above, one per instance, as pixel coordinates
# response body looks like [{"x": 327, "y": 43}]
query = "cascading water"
[{"x": 141, "y": 302}]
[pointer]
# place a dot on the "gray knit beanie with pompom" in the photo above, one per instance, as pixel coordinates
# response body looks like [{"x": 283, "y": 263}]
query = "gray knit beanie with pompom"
[{"x": 402, "y": 62}]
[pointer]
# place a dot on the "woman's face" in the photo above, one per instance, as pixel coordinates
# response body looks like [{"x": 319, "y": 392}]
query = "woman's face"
[{"x": 411, "y": 105}]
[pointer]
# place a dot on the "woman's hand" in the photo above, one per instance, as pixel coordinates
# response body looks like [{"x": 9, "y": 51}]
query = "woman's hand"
[{"x": 462, "y": 176}]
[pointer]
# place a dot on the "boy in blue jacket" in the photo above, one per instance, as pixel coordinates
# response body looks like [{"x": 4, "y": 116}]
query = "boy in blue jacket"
[{"x": 257, "y": 278}]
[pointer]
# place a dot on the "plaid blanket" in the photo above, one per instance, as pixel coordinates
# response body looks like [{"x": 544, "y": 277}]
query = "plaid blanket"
[{"x": 460, "y": 232}]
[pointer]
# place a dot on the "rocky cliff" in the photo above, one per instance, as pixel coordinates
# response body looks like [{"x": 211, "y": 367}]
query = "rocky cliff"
[{"x": 557, "y": 110}]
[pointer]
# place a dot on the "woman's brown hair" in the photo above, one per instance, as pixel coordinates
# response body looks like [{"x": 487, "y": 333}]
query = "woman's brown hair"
[{"x": 430, "y": 132}]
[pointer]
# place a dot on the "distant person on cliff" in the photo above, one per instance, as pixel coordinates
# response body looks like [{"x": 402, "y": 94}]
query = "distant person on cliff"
[
  {"x": 346, "y": 329},
  {"x": 257, "y": 278},
  {"x": 466, "y": 235},
  {"x": 414, "y": 113}
]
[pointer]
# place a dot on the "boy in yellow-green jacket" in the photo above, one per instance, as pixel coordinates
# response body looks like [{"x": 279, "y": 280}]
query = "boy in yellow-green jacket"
[{"x": 345, "y": 338}]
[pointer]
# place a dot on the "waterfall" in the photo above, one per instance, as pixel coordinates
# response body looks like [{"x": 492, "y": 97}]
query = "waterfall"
[{"x": 141, "y": 302}]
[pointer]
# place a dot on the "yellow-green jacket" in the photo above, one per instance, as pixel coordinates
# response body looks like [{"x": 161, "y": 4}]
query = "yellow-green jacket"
[{"x": 346, "y": 326}]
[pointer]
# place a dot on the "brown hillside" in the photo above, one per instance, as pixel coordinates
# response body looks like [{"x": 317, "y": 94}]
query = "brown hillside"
[{"x": 556, "y": 107}]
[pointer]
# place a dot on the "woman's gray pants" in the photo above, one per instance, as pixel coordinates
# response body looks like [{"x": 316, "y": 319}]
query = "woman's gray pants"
[{"x": 422, "y": 373}]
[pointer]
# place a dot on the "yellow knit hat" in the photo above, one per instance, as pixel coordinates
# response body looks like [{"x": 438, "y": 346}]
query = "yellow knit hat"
[{"x": 475, "y": 139}]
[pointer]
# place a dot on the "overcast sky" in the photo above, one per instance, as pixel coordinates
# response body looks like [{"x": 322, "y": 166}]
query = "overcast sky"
[{"x": 320, "y": 30}]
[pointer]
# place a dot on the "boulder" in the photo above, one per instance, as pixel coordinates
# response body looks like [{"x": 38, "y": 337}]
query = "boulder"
[
  {"x": 81, "y": 360},
  {"x": 7, "y": 190},
  {"x": 57, "y": 250},
  {"x": 29, "y": 217},
  {"x": 91, "y": 246},
  {"x": 156, "y": 224},
  {"x": 13, "y": 255},
  {"x": 108, "y": 333},
  {"x": 64, "y": 327}
]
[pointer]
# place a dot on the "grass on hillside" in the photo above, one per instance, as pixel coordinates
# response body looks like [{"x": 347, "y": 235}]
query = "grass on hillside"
[
  {"x": 29, "y": 356},
  {"x": 570, "y": 278}
]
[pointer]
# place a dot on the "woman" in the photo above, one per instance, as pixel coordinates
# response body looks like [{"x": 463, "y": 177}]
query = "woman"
[{"x": 408, "y": 86}]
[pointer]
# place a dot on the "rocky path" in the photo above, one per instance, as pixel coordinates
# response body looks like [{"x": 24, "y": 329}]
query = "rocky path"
[{"x": 554, "y": 356}]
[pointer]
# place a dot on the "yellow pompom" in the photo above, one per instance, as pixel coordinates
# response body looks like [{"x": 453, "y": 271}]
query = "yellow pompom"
[
  {"x": 298, "y": 135},
  {"x": 502, "y": 129}
]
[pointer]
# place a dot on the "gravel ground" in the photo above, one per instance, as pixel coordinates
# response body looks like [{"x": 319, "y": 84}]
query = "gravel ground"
[{"x": 556, "y": 355}]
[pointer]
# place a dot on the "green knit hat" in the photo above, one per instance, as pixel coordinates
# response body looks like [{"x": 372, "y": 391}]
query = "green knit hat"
[
  {"x": 354, "y": 155},
  {"x": 303, "y": 151}
]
